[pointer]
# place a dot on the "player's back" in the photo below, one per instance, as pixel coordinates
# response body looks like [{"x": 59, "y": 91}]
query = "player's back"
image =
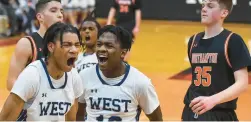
[
  {"x": 51, "y": 99},
  {"x": 115, "y": 100},
  {"x": 126, "y": 10},
  {"x": 211, "y": 72}
]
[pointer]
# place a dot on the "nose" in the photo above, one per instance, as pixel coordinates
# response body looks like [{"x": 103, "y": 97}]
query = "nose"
[
  {"x": 74, "y": 49},
  {"x": 87, "y": 31},
  {"x": 60, "y": 15},
  {"x": 203, "y": 10},
  {"x": 101, "y": 48}
]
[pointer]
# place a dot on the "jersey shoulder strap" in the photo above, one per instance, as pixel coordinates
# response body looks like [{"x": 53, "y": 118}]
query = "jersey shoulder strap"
[
  {"x": 34, "y": 49},
  {"x": 196, "y": 39},
  {"x": 226, "y": 49}
]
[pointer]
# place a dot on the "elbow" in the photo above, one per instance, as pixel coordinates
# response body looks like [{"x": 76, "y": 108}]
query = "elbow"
[
  {"x": 243, "y": 85},
  {"x": 9, "y": 85}
]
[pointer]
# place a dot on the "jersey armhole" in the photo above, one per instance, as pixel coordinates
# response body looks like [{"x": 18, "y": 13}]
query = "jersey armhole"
[
  {"x": 34, "y": 50},
  {"x": 226, "y": 49}
]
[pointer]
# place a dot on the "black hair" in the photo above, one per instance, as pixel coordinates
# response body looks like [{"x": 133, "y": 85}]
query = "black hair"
[
  {"x": 123, "y": 36},
  {"x": 90, "y": 17},
  {"x": 56, "y": 31},
  {"x": 41, "y": 4}
]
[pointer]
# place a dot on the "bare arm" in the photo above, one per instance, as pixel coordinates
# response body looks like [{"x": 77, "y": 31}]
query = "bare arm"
[
  {"x": 156, "y": 115},
  {"x": 81, "y": 112},
  {"x": 12, "y": 108},
  {"x": 138, "y": 18},
  {"x": 111, "y": 16},
  {"x": 18, "y": 61},
  {"x": 71, "y": 115},
  {"x": 241, "y": 84}
]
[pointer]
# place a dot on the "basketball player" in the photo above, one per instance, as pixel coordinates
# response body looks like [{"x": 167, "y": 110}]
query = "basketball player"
[
  {"x": 29, "y": 48},
  {"x": 128, "y": 15},
  {"x": 219, "y": 60},
  {"x": 114, "y": 90},
  {"x": 48, "y": 88},
  {"x": 89, "y": 32}
]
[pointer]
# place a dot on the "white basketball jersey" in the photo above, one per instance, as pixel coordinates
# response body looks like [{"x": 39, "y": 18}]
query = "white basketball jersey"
[
  {"x": 121, "y": 101},
  {"x": 44, "y": 101},
  {"x": 86, "y": 61}
]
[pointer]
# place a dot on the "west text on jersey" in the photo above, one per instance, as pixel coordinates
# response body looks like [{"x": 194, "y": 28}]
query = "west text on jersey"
[
  {"x": 109, "y": 104},
  {"x": 54, "y": 108}
]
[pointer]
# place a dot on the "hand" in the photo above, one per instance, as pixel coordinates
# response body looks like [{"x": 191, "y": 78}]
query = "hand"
[
  {"x": 135, "y": 30},
  {"x": 202, "y": 104}
]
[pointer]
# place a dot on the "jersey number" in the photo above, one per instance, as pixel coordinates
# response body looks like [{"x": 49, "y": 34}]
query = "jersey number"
[
  {"x": 112, "y": 118},
  {"x": 124, "y": 9},
  {"x": 202, "y": 76}
]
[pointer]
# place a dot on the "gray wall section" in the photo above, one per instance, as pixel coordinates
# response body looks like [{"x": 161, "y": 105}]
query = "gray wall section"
[{"x": 179, "y": 10}]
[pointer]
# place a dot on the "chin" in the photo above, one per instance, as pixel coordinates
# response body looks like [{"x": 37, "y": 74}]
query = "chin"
[
  {"x": 68, "y": 69},
  {"x": 102, "y": 68},
  {"x": 204, "y": 22}
]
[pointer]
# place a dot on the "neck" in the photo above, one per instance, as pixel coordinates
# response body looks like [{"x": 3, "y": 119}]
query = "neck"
[
  {"x": 116, "y": 71},
  {"x": 53, "y": 69},
  {"x": 90, "y": 51},
  {"x": 213, "y": 30},
  {"x": 41, "y": 31}
]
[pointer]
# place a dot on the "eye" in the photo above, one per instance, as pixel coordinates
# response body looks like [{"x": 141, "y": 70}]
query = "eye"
[
  {"x": 83, "y": 29},
  {"x": 53, "y": 10},
  {"x": 66, "y": 44},
  {"x": 91, "y": 28},
  {"x": 78, "y": 45},
  {"x": 109, "y": 45},
  {"x": 99, "y": 45},
  {"x": 202, "y": 5}
]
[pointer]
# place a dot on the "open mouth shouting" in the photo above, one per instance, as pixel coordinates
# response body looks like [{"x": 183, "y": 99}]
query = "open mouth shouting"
[
  {"x": 70, "y": 61},
  {"x": 87, "y": 38},
  {"x": 102, "y": 59}
]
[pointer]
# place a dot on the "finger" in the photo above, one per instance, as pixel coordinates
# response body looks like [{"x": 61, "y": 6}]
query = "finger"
[
  {"x": 194, "y": 101},
  {"x": 196, "y": 105},
  {"x": 202, "y": 111},
  {"x": 198, "y": 109}
]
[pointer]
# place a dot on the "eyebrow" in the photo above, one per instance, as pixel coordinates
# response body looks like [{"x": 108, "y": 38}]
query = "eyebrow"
[
  {"x": 57, "y": 8},
  {"x": 70, "y": 42}
]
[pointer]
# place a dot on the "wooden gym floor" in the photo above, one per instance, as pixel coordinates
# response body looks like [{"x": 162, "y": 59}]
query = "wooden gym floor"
[{"x": 160, "y": 52}]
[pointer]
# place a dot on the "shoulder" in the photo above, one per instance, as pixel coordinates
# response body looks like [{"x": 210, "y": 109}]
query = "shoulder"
[
  {"x": 139, "y": 77},
  {"x": 235, "y": 40},
  {"x": 88, "y": 72},
  {"x": 23, "y": 46},
  {"x": 236, "y": 37},
  {"x": 35, "y": 66},
  {"x": 32, "y": 71}
]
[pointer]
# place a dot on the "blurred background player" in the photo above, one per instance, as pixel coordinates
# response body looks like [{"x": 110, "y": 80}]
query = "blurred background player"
[
  {"x": 77, "y": 10},
  {"x": 219, "y": 59},
  {"x": 114, "y": 90},
  {"x": 128, "y": 16},
  {"x": 89, "y": 33},
  {"x": 49, "y": 88}
]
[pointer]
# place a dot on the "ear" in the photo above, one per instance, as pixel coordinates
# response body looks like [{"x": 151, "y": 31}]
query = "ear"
[
  {"x": 123, "y": 53},
  {"x": 40, "y": 17},
  {"x": 51, "y": 47},
  {"x": 224, "y": 13}
]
